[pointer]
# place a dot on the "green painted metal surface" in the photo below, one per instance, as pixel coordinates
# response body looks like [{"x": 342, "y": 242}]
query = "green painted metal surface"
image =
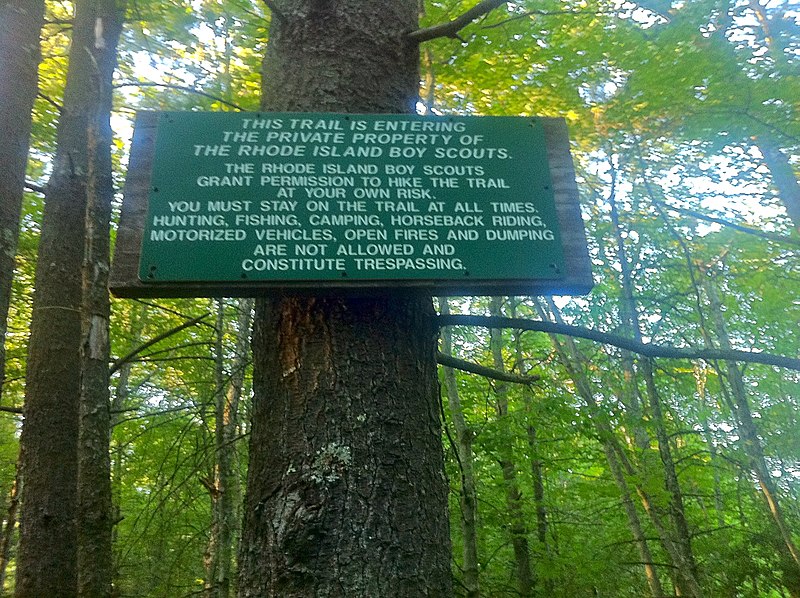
[{"x": 335, "y": 197}]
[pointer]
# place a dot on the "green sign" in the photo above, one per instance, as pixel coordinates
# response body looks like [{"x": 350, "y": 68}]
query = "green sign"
[{"x": 320, "y": 197}]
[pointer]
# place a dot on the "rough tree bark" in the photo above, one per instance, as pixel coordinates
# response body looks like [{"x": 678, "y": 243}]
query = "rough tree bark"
[
  {"x": 47, "y": 558},
  {"x": 20, "y": 24},
  {"x": 346, "y": 492}
]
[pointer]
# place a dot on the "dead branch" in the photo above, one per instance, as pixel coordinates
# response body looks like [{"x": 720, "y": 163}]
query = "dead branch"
[
  {"x": 179, "y": 88},
  {"x": 129, "y": 357},
  {"x": 35, "y": 188}
]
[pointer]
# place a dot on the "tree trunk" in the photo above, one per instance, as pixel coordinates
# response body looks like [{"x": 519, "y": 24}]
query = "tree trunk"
[
  {"x": 138, "y": 317},
  {"x": 548, "y": 584},
  {"x": 20, "y": 24},
  {"x": 537, "y": 465},
  {"x": 346, "y": 494},
  {"x": 518, "y": 527},
  {"x": 224, "y": 497},
  {"x": 570, "y": 358},
  {"x": 468, "y": 496},
  {"x": 95, "y": 516},
  {"x": 687, "y": 572},
  {"x": 686, "y": 568},
  {"x": 346, "y": 491},
  {"x": 751, "y": 442},
  {"x": 783, "y": 177},
  {"x": 6, "y": 539},
  {"x": 211, "y": 558},
  {"x": 708, "y": 437},
  {"x": 47, "y": 560}
]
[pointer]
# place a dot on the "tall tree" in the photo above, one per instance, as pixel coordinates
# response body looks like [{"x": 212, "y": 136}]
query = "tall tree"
[
  {"x": 514, "y": 499},
  {"x": 20, "y": 24},
  {"x": 572, "y": 360},
  {"x": 346, "y": 491},
  {"x": 468, "y": 497},
  {"x": 225, "y": 489},
  {"x": 48, "y": 551},
  {"x": 95, "y": 566},
  {"x": 686, "y": 572},
  {"x": 751, "y": 441}
]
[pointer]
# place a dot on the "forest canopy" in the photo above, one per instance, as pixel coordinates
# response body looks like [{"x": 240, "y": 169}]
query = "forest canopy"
[{"x": 641, "y": 440}]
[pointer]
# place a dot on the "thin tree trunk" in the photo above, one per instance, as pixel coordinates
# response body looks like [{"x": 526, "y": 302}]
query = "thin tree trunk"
[
  {"x": 468, "y": 496},
  {"x": 20, "y": 25},
  {"x": 211, "y": 560},
  {"x": 783, "y": 177},
  {"x": 95, "y": 516},
  {"x": 620, "y": 471},
  {"x": 119, "y": 402},
  {"x": 748, "y": 431},
  {"x": 7, "y": 538},
  {"x": 226, "y": 401},
  {"x": 688, "y": 570},
  {"x": 687, "y": 575},
  {"x": 537, "y": 466},
  {"x": 537, "y": 475},
  {"x": 346, "y": 492},
  {"x": 570, "y": 358},
  {"x": 518, "y": 527},
  {"x": 719, "y": 503},
  {"x": 606, "y": 434},
  {"x": 229, "y": 471},
  {"x": 225, "y": 499}
]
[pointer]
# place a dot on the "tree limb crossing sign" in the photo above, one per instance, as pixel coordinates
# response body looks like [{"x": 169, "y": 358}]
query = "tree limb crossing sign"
[{"x": 240, "y": 203}]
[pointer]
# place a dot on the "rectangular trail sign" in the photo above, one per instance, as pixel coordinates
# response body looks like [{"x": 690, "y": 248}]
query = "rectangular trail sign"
[{"x": 238, "y": 204}]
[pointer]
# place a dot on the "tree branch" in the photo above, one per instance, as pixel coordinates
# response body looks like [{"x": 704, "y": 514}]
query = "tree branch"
[
  {"x": 735, "y": 226},
  {"x": 14, "y": 410},
  {"x": 30, "y": 186},
  {"x": 123, "y": 360},
  {"x": 544, "y": 13},
  {"x": 50, "y": 101},
  {"x": 452, "y": 28},
  {"x": 179, "y": 88},
  {"x": 473, "y": 368},
  {"x": 645, "y": 349}
]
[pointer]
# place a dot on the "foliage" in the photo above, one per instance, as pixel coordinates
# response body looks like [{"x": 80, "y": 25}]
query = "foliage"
[{"x": 669, "y": 105}]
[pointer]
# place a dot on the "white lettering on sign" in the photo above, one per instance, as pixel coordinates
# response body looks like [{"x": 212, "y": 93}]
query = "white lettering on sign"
[{"x": 358, "y": 196}]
